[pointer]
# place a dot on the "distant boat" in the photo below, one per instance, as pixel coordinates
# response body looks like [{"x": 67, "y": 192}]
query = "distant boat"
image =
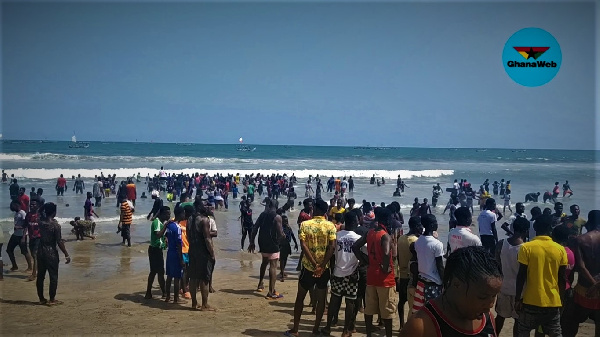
[
  {"x": 244, "y": 148},
  {"x": 78, "y": 145},
  {"x": 481, "y": 150}
]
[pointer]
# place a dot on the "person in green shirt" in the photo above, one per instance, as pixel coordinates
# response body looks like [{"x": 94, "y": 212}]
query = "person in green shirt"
[
  {"x": 155, "y": 251},
  {"x": 251, "y": 192}
]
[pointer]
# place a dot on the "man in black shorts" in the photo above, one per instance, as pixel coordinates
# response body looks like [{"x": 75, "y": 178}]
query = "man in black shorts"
[{"x": 318, "y": 240}]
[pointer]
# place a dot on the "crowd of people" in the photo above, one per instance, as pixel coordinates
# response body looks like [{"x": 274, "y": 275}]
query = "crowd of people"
[{"x": 356, "y": 252}]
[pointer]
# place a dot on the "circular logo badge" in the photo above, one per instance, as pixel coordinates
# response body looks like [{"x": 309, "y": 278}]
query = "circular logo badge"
[{"x": 531, "y": 57}]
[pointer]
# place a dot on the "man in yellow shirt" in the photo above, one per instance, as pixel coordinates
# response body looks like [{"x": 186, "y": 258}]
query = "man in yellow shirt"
[
  {"x": 542, "y": 264},
  {"x": 318, "y": 241},
  {"x": 337, "y": 209}
]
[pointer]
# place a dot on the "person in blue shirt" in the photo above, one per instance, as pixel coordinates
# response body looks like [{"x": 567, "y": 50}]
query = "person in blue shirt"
[{"x": 175, "y": 263}]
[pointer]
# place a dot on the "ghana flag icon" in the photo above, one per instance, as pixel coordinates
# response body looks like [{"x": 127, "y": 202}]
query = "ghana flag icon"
[{"x": 531, "y": 52}]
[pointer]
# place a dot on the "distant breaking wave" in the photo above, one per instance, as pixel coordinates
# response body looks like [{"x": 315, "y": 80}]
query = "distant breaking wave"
[{"x": 300, "y": 173}]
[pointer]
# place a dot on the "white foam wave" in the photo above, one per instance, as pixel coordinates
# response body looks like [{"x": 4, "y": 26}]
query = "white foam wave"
[
  {"x": 109, "y": 219},
  {"x": 69, "y": 157},
  {"x": 27, "y": 173}
]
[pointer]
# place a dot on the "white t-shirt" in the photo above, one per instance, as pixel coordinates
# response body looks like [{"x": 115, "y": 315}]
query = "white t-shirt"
[
  {"x": 532, "y": 233},
  {"x": 460, "y": 237},
  {"x": 345, "y": 260},
  {"x": 457, "y": 186},
  {"x": 428, "y": 249},
  {"x": 162, "y": 173},
  {"x": 344, "y": 184},
  {"x": 485, "y": 220},
  {"x": 213, "y": 224}
]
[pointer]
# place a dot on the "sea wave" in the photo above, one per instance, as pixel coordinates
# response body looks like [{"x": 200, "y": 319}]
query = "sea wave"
[
  {"x": 47, "y": 156},
  {"x": 27, "y": 173},
  {"x": 109, "y": 219}
]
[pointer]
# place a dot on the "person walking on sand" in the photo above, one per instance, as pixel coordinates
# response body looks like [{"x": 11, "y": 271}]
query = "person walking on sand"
[
  {"x": 18, "y": 238},
  {"x": 201, "y": 253},
  {"x": 48, "y": 254},
  {"x": 269, "y": 229}
]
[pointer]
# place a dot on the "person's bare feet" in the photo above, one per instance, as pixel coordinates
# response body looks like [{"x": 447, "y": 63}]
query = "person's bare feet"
[
  {"x": 207, "y": 308},
  {"x": 212, "y": 290},
  {"x": 168, "y": 299},
  {"x": 44, "y": 301},
  {"x": 31, "y": 278},
  {"x": 55, "y": 302},
  {"x": 28, "y": 269},
  {"x": 179, "y": 301}
]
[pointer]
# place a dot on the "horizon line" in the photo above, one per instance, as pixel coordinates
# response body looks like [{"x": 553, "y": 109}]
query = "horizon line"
[{"x": 349, "y": 146}]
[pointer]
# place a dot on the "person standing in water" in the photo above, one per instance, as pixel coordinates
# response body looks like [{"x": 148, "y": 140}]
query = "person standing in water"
[
  {"x": 471, "y": 283},
  {"x": 567, "y": 189}
]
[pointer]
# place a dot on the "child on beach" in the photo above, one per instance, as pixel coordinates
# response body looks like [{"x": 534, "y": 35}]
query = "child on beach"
[{"x": 285, "y": 246}]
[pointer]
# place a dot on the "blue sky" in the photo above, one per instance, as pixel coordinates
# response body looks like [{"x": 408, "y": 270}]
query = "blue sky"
[{"x": 386, "y": 74}]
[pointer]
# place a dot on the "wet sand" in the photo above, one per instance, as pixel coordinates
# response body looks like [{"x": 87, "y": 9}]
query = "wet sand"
[{"x": 103, "y": 292}]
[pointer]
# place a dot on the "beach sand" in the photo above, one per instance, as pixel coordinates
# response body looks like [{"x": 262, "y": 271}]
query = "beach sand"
[
  {"x": 104, "y": 286},
  {"x": 103, "y": 293}
]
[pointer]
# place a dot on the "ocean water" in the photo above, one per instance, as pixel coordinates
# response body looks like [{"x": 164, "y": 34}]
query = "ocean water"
[{"x": 38, "y": 164}]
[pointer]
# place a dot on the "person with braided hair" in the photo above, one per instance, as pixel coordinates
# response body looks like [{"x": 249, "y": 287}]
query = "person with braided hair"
[{"x": 472, "y": 280}]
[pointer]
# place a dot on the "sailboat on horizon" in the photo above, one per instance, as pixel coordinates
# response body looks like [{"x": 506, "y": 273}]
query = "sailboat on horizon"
[
  {"x": 243, "y": 147},
  {"x": 78, "y": 145}
]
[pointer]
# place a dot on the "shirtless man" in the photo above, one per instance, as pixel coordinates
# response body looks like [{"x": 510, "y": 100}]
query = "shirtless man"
[{"x": 587, "y": 291}]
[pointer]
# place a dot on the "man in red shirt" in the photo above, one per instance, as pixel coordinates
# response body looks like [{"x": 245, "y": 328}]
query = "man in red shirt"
[
  {"x": 131, "y": 191},
  {"x": 61, "y": 185},
  {"x": 380, "y": 296},
  {"x": 23, "y": 199}
]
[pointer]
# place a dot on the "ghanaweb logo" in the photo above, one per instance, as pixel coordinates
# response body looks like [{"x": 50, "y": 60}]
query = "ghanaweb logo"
[{"x": 540, "y": 57}]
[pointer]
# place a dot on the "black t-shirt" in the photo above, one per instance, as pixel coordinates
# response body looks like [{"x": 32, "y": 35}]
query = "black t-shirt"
[{"x": 267, "y": 236}]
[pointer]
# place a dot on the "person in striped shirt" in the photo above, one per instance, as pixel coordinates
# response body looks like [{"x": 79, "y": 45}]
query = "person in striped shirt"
[{"x": 125, "y": 221}]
